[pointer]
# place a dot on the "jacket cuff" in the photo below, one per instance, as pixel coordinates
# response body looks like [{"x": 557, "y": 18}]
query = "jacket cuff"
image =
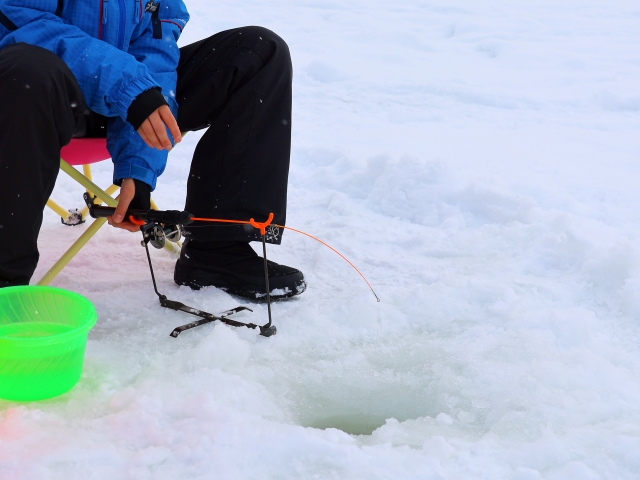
[
  {"x": 122, "y": 170},
  {"x": 131, "y": 91},
  {"x": 144, "y": 105}
]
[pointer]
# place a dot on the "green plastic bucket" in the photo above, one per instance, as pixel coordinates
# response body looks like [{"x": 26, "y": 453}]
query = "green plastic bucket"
[{"x": 43, "y": 334}]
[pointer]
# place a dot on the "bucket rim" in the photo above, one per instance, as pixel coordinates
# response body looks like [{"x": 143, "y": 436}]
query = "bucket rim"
[{"x": 58, "y": 337}]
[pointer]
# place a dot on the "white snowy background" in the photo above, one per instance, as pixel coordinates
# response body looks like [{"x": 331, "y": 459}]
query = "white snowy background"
[{"x": 479, "y": 162}]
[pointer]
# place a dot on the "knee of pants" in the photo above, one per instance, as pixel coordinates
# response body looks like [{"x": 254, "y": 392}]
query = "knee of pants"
[
  {"x": 264, "y": 41},
  {"x": 30, "y": 70}
]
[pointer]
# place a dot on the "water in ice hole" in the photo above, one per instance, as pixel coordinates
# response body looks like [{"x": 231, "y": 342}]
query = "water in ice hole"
[{"x": 378, "y": 380}]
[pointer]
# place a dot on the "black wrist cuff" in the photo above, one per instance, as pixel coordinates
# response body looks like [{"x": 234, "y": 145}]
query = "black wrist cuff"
[
  {"x": 142, "y": 198},
  {"x": 144, "y": 105}
]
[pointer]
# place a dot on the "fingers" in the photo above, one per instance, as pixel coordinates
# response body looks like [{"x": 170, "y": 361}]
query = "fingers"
[
  {"x": 125, "y": 225},
  {"x": 127, "y": 192},
  {"x": 161, "y": 132},
  {"x": 144, "y": 136},
  {"x": 154, "y": 129},
  {"x": 170, "y": 121},
  {"x": 148, "y": 134}
]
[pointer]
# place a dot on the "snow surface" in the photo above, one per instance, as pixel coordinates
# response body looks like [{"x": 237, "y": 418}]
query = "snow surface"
[{"x": 479, "y": 162}]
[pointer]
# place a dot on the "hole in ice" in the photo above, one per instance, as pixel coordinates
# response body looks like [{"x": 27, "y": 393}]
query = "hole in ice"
[
  {"x": 356, "y": 385},
  {"x": 359, "y": 393}
]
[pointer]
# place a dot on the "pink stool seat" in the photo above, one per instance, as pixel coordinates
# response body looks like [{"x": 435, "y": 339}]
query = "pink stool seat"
[{"x": 83, "y": 151}]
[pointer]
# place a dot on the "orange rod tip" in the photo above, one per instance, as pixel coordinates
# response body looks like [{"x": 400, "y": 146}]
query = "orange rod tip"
[{"x": 337, "y": 252}]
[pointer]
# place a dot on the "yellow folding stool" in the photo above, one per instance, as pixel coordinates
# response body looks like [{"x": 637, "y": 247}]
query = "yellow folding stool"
[{"x": 84, "y": 152}]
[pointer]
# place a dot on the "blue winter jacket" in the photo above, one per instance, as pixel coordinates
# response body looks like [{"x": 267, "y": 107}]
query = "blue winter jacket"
[{"x": 116, "y": 49}]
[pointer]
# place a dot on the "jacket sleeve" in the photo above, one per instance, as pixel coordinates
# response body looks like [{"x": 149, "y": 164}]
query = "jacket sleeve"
[
  {"x": 133, "y": 158},
  {"x": 110, "y": 79}
]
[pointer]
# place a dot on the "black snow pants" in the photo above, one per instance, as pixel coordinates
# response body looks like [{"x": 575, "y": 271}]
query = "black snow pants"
[{"x": 237, "y": 84}]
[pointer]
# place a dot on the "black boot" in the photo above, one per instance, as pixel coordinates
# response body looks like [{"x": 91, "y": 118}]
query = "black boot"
[{"x": 235, "y": 268}]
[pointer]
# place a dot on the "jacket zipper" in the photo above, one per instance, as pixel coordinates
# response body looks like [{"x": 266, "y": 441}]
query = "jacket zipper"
[{"x": 104, "y": 8}]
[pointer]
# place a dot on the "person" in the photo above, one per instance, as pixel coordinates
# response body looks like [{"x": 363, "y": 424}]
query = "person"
[{"x": 80, "y": 68}]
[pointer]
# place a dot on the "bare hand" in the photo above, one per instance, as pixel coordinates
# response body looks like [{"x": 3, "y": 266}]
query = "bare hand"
[
  {"x": 127, "y": 192},
  {"x": 154, "y": 129}
]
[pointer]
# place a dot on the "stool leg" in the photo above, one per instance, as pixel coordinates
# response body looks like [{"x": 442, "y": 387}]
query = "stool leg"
[
  {"x": 86, "y": 169},
  {"x": 73, "y": 250},
  {"x": 57, "y": 208},
  {"x": 90, "y": 232},
  {"x": 94, "y": 227},
  {"x": 88, "y": 184}
]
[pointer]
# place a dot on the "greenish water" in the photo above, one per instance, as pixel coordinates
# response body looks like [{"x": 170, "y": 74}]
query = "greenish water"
[
  {"x": 355, "y": 424},
  {"x": 32, "y": 329}
]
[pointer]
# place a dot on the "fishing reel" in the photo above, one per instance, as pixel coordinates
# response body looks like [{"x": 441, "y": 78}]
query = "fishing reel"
[
  {"x": 157, "y": 234},
  {"x": 157, "y": 226}
]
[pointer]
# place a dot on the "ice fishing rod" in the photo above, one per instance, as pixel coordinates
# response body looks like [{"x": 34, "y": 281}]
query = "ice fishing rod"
[{"x": 158, "y": 226}]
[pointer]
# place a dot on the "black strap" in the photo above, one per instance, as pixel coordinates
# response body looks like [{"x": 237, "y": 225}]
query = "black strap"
[
  {"x": 9, "y": 25},
  {"x": 156, "y": 23}
]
